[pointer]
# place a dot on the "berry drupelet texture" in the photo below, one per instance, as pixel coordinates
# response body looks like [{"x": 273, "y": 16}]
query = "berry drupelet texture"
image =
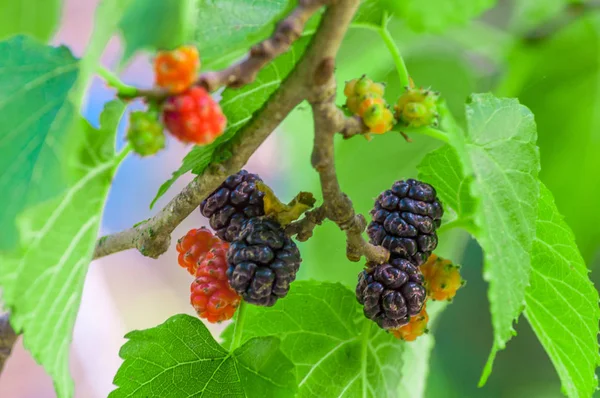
[
  {"x": 442, "y": 278},
  {"x": 194, "y": 117},
  {"x": 210, "y": 293},
  {"x": 405, "y": 219},
  {"x": 263, "y": 262},
  {"x": 391, "y": 293},
  {"x": 417, "y": 326},
  {"x": 233, "y": 203},
  {"x": 176, "y": 70},
  {"x": 145, "y": 133},
  {"x": 194, "y": 246}
]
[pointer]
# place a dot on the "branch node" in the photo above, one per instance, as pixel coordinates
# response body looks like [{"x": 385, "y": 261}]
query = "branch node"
[{"x": 324, "y": 71}]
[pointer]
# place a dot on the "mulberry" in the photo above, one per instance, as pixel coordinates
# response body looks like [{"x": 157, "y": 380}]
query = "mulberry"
[
  {"x": 391, "y": 293},
  {"x": 417, "y": 107},
  {"x": 263, "y": 262},
  {"x": 405, "y": 219},
  {"x": 194, "y": 246},
  {"x": 145, "y": 133},
  {"x": 194, "y": 116},
  {"x": 233, "y": 203},
  {"x": 442, "y": 278},
  {"x": 210, "y": 293},
  {"x": 417, "y": 326},
  {"x": 176, "y": 70}
]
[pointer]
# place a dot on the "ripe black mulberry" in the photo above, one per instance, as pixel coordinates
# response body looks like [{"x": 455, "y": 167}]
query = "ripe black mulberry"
[
  {"x": 405, "y": 219},
  {"x": 232, "y": 204},
  {"x": 263, "y": 262}
]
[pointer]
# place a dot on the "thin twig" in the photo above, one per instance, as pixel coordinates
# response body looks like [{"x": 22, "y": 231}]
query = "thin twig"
[
  {"x": 329, "y": 120},
  {"x": 303, "y": 228},
  {"x": 8, "y": 338}
]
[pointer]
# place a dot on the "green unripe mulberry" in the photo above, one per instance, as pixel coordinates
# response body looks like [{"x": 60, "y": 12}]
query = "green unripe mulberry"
[
  {"x": 417, "y": 107},
  {"x": 145, "y": 133}
]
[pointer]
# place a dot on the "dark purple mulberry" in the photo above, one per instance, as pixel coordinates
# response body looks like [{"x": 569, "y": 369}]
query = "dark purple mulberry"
[
  {"x": 391, "y": 293},
  {"x": 263, "y": 262},
  {"x": 232, "y": 204},
  {"x": 405, "y": 219}
]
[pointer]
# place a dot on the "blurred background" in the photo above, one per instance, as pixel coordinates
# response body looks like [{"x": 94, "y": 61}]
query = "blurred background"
[{"x": 547, "y": 55}]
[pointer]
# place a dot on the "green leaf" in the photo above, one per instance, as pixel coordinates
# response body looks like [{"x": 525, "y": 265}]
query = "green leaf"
[
  {"x": 40, "y": 95},
  {"x": 336, "y": 350},
  {"x": 239, "y": 105},
  {"x": 37, "y": 18},
  {"x": 35, "y": 116},
  {"x": 498, "y": 151},
  {"x": 179, "y": 358},
  {"x": 226, "y": 29},
  {"x": 370, "y": 13},
  {"x": 42, "y": 285},
  {"x": 442, "y": 169},
  {"x": 562, "y": 302},
  {"x": 154, "y": 25},
  {"x": 438, "y": 15}
]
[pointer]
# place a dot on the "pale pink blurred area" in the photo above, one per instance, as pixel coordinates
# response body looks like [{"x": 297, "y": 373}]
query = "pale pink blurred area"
[{"x": 125, "y": 291}]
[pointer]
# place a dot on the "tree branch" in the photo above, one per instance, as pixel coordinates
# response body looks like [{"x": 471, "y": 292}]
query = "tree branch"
[
  {"x": 238, "y": 75},
  {"x": 328, "y": 121},
  {"x": 8, "y": 338},
  {"x": 303, "y": 229},
  {"x": 153, "y": 237}
]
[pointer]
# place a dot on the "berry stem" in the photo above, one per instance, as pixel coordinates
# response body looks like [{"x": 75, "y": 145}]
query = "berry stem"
[
  {"x": 394, "y": 51},
  {"x": 428, "y": 131},
  {"x": 122, "y": 154},
  {"x": 238, "y": 327},
  {"x": 124, "y": 90}
]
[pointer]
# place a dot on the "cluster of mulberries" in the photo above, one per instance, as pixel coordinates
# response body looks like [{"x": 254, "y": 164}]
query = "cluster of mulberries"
[
  {"x": 393, "y": 294},
  {"x": 190, "y": 114},
  {"x": 204, "y": 256},
  {"x": 416, "y": 107},
  {"x": 250, "y": 258}
]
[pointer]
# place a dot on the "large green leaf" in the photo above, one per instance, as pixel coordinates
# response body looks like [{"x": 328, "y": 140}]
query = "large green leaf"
[
  {"x": 438, "y": 15},
  {"x": 564, "y": 94},
  {"x": 179, "y": 358},
  {"x": 40, "y": 95},
  {"x": 37, "y": 18},
  {"x": 336, "y": 350},
  {"x": 562, "y": 303},
  {"x": 498, "y": 151},
  {"x": 35, "y": 115},
  {"x": 152, "y": 25},
  {"x": 228, "y": 28},
  {"x": 442, "y": 169},
  {"x": 42, "y": 285},
  {"x": 239, "y": 105}
]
